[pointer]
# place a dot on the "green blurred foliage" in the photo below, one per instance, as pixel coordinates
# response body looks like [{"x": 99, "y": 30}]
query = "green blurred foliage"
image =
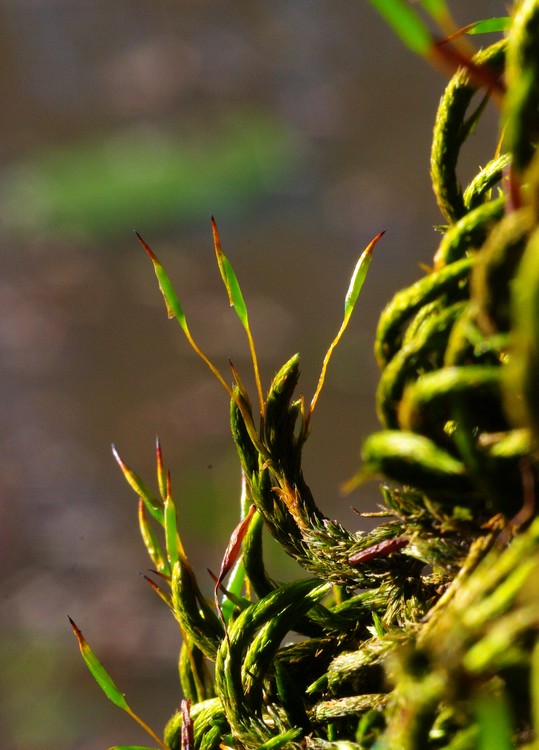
[{"x": 151, "y": 177}]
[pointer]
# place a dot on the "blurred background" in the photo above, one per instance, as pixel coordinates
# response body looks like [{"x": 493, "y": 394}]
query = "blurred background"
[{"x": 304, "y": 127}]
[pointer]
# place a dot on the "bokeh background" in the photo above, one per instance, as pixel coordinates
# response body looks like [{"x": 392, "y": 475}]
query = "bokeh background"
[{"x": 304, "y": 127}]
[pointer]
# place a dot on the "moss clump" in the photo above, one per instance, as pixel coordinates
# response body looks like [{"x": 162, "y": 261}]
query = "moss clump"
[{"x": 421, "y": 633}]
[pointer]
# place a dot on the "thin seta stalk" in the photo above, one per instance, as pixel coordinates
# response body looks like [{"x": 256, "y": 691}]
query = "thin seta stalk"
[
  {"x": 107, "y": 684},
  {"x": 237, "y": 301},
  {"x": 356, "y": 283},
  {"x": 175, "y": 310}
]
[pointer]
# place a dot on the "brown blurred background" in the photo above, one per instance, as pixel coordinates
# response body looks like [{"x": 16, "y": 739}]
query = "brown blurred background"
[{"x": 304, "y": 127}]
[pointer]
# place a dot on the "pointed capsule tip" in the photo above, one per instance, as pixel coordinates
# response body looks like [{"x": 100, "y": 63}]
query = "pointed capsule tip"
[
  {"x": 116, "y": 454},
  {"x": 216, "y": 238},
  {"x": 370, "y": 247},
  {"x": 76, "y": 630},
  {"x": 146, "y": 247}
]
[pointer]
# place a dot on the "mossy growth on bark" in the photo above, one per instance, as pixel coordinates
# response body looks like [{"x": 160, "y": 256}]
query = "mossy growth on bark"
[{"x": 422, "y": 633}]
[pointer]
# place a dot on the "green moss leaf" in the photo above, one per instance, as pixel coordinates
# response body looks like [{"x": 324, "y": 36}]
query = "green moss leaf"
[
  {"x": 489, "y": 25},
  {"x": 406, "y": 24}
]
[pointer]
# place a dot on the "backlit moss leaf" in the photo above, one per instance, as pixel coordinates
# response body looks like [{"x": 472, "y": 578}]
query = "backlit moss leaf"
[
  {"x": 406, "y": 24},
  {"x": 280, "y": 739},
  {"x": 136, "y": 483},
  {"x": 160, "y": 593},
  {"x": 232, "y": 552},
  {"x": 151, "y": 542},
  {"x": 171, "y": 532},
  {"x": 489, "y": 25},
  {"x": 240, "y": 387},
  {"x": 161, "y": 473},
  {"x": 238, "y": 574}
]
